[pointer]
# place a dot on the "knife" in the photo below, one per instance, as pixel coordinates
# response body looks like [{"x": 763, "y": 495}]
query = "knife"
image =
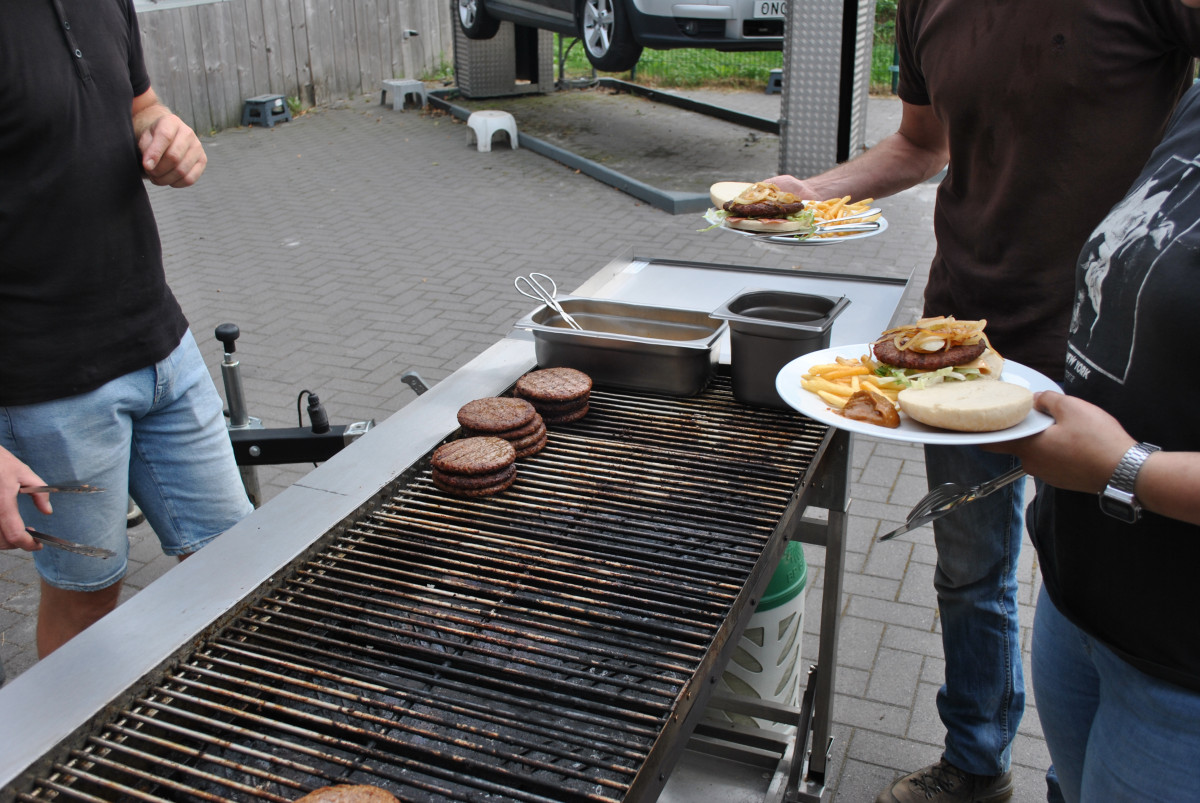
[
  {"x": 70, "y": 546},
  {"x": 59, "y": 489},
  {"x": 920, "y": 521}
]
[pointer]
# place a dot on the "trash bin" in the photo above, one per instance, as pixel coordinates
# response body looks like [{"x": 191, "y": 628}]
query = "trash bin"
[{"x": 765, "y": 663}]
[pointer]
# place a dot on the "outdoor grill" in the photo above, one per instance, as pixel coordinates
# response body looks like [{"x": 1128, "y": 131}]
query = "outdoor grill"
[
  {"x": 541, "y": 645},
  {"x": 556, "y": 642}
]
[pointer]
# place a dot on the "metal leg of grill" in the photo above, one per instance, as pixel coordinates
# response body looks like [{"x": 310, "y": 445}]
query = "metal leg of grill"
[
  {"x": 784, "y": 755},
  {"x": 831, "y": 492}
]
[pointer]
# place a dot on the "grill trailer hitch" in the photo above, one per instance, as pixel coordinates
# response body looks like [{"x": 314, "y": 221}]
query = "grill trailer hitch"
[{"x": 256, "y": 445}]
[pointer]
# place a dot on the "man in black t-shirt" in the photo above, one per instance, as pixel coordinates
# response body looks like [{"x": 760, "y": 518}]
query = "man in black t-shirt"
[{"x": 106, "y": 385}]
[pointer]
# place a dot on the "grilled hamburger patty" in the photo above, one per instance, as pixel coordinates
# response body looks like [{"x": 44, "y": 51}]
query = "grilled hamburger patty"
[
  {"x": 770, "y": 209},
  {"x": 886, "y": 352}
]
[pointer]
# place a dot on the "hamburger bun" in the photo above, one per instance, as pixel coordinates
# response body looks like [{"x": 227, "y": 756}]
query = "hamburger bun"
[
  {"x": 968, "y": 406},
  {"x": 780, "y": 225},
  {"x": 724, "y": 191}
]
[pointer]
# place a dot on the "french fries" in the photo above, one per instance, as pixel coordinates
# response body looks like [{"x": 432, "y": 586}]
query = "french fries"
[
  {"x": 838, "y": 208},
  {"x": 836, "y": 382}
]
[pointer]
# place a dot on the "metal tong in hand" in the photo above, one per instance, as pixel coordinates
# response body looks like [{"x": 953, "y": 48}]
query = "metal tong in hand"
[
  {"x": 62, "y": 543},
  {"x": 530, "y": 287},
  {"x": 950, "y": 496},
  {"x": 69, "y": 546}
]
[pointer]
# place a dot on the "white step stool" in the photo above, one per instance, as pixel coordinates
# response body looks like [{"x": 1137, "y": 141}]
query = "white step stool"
[
  {"x": 401, "y": 89},
  {"x": 486, "y": 123}
]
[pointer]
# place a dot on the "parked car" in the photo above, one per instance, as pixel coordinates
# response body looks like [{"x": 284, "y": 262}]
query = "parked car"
[{"x": 614, "y": 32}]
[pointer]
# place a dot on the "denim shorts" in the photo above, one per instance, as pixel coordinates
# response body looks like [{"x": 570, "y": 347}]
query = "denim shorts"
[{"x": 157, "y": 435}]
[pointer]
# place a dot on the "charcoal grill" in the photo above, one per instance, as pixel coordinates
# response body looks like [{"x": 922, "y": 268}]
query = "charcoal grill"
[
  {"x": 547, "y": 644},
  {"x": 557, "y": 642}
]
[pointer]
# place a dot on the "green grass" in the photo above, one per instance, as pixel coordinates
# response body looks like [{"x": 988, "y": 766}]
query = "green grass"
[{"x": 689, "y": 68}]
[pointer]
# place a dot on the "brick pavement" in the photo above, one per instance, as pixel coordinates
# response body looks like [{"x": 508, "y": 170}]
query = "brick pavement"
[{"x": 356, "y": 243}]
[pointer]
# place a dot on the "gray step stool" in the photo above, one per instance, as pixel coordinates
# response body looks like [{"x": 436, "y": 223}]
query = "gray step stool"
[
  {"x": 402, "y": 89},
  {"x": 775, "y": 82},
  {"x": 266, "y": 110}
]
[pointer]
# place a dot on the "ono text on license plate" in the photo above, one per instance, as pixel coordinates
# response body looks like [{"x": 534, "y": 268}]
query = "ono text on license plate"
[{"x": 770, "y": 8}]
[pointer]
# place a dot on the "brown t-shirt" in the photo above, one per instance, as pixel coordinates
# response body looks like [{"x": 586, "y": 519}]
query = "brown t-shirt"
[{"x": 1051, "y": 111}]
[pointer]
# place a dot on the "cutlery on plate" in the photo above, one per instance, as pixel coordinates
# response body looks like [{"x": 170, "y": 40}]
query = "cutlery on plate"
[{"x": 950, "y": 496}]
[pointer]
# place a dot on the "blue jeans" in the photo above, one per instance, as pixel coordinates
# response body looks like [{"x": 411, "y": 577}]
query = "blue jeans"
[
  {"x": 983, "y": 698},
  {"x": 158, "y": 435},
  {"x": 1115, "y": 734}
]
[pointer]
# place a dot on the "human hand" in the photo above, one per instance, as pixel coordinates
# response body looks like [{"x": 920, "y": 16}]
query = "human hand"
[
  {"x": 172, "y": 155},
  {"x": 1078, "y": 452},
  {"x": 13, "y": 475},
  {"x": 795, "y": 186}
]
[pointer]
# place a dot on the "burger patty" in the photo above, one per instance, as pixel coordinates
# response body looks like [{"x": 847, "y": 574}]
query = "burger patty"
[
  {"x": 886, "y": 352},
  {"x": 763, "y": 209}
]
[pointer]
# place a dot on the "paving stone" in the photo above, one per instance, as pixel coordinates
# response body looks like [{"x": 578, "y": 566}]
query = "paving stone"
[{"x": 895, "y": 677}]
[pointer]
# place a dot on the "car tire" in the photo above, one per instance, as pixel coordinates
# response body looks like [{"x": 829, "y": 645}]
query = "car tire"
[
  {"x": 607, "y": 37},
  {"x": 476, "y": 23}
]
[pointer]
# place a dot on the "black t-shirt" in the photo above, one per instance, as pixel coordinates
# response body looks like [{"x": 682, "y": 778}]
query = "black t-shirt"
[
  {"x": 83, "y": 296},
  {"x": 1051, "y": 109},
  {"x": 1130, "y": 351}
]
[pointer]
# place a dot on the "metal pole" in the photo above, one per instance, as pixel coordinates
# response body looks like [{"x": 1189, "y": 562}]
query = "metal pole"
[{"x": 827, "y": 73}]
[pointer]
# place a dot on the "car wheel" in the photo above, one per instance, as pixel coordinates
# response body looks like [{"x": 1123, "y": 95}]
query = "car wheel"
[
  {"x": 475, "y": 21},
  {"x": 607, "y": 38}
]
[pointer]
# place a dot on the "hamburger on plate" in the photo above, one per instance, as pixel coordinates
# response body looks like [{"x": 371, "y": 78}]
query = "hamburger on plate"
[
  {"x": 939, "y": 362},
  {"x": 761, "y": 207},
  {"x": 940, "y": 372}
]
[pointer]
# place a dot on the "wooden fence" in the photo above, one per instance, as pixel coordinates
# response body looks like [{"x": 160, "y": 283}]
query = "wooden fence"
[{"x": 206, "y": 59}]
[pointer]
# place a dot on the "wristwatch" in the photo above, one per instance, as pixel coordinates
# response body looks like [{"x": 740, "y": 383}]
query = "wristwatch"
[{"x": 1117, "y": 499}]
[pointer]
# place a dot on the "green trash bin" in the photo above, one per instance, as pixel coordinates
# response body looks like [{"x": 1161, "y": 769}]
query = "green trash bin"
[{"x": 765, "y": 663}]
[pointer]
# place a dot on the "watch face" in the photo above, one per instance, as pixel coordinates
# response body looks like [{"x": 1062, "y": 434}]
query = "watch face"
[{"x": 1126, "y": 510}]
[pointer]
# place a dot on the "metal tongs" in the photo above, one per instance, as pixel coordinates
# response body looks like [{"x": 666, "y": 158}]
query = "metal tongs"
[
  {"x": 530, "y": 287},
  {"x": 70, "y": 546},
  {"x": 62, "y": 543},
  {"x": 59, "y": 489},
  {"x": 951, "y": 496}
]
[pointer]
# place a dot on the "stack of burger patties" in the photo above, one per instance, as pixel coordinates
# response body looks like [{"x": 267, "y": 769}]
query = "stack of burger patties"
[
  {"x": 477, "y": 466},
  {"x": 514, "y": 420},
  {"x": 560, "y": 395}
]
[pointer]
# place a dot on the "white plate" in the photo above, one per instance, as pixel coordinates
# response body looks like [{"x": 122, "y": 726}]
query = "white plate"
[
  {"x": 909, "y": 431},
  {"x": 785, "y": 239}
]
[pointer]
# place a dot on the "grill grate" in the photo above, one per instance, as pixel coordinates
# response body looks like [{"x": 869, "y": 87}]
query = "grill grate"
[{"x": 532, "y": 646}]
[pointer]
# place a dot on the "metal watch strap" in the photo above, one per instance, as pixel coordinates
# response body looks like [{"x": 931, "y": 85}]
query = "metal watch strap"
[{"x": 1117, "y": 499}]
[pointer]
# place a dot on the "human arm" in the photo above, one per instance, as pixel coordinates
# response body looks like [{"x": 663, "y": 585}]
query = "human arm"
[
  {"x": 171, "y": 152},
  {"x": 914, "y": 153},
  {"x": 13, "y": 475},
  {"x": 1079, "y": 451}
]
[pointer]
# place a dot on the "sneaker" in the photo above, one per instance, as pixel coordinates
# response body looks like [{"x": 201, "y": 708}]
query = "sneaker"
[{"x": 945, "y": 783}]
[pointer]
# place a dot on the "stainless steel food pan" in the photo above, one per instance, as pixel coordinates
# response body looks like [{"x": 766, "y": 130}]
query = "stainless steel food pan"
[
  {"x": 628, "y": 345},
  {"x": 767, "y": 330}
]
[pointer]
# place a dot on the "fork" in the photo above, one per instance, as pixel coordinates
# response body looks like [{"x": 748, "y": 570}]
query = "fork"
[{"x": 949, "y": 496}]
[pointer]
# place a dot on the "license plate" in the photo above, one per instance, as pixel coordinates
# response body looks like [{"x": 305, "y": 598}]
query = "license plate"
[{"x": 770, "y": 8}]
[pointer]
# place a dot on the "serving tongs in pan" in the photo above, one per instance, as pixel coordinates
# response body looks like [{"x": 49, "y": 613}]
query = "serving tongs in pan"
[{"x": 530, "y": 287}]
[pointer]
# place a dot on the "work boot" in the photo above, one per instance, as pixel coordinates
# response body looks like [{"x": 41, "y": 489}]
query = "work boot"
[{"x": 945, "y": 783}]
